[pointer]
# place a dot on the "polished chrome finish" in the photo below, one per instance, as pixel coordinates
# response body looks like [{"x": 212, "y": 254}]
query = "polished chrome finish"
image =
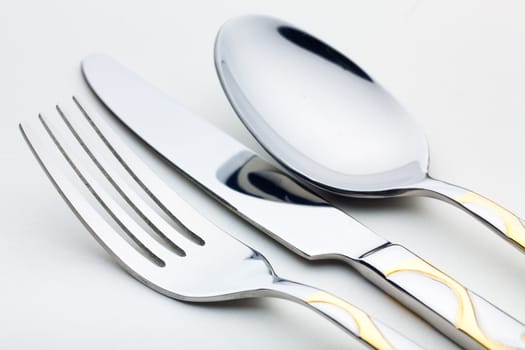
[
  {"x": 274, "y": 202},
  {"x": 315, "y": 110},
  {"x": 217, "y": 161},
  {"x": 487, "y": 326},
  {"x": 187, "y": 257},
  {"x": 327, "y": 121}
]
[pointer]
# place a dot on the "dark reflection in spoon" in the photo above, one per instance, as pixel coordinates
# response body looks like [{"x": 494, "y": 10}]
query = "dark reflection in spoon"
[
  {"x": 317, "y": 47},
  {"x": 259, "y": 179}
]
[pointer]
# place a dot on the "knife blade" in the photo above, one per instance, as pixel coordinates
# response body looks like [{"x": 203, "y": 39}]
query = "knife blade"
[
  {"x": 299, "y": 219},
  {"x": 212, "y": 159}
]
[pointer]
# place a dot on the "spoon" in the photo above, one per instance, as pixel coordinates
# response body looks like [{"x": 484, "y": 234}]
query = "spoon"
[{"x": 329, "y": 123}]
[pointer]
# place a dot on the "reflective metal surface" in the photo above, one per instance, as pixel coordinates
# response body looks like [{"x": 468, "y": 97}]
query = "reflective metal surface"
[
  {"x": 276, "y": 204},
  {"x": 326, "y": 120},
  {"x": 259, "y": 179},
  {"x": 315, "y": 110},
  {"x": 173, "y": 131},
  {"x": 216, "y": 267}
]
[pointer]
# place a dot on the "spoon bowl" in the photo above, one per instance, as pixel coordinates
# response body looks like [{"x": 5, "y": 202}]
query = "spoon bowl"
[
  {"x": 329, "y": 123},
  {"x": 317, "y": 112}
]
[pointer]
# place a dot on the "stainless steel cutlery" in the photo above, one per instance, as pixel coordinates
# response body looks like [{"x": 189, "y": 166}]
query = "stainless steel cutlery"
[
  {"x": 328, "y": 122},
  {"x": 182, "y": 255},
  {"x": 331, "y": 127},
  {"x": 296, "y": 217}
]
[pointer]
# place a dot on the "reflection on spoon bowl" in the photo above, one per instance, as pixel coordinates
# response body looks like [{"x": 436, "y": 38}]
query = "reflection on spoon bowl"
[{"x": 329, "y": 123}]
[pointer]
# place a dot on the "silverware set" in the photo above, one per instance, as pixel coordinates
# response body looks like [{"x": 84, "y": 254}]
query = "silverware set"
[{"x": 328, "y": 123}]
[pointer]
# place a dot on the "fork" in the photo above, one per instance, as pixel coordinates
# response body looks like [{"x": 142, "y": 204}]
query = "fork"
[{"x": 159, "y": 238}]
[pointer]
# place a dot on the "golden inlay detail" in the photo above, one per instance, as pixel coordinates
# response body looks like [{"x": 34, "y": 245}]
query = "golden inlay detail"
[
  {"x": 514, "y": 228},
  {"x": 367, "y": 329},
  {"x": 466, "y": 314}
]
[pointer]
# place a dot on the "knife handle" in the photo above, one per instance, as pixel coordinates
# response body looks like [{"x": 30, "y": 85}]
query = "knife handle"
[
  {"x": 349, "y": 317},
  {"x": 442, "y": 300}
]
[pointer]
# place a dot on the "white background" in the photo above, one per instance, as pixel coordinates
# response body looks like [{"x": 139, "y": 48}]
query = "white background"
[{"x": 458, "y": 66}]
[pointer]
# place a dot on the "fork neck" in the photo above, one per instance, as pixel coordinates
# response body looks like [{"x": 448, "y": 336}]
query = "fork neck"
[{"x": 347, "y": 316}]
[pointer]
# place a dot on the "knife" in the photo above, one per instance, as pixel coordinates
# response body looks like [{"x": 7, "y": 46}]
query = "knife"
[{"x": 302, "y": 221}]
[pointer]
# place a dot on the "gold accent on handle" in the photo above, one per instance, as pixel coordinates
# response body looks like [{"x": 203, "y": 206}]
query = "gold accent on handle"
[
  {"x": 466, "y": 314},
  {"x": 367, "y": 329},
  {"x": 514, "y": 228}
]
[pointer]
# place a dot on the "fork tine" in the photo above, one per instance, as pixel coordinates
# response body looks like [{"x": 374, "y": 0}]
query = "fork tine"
[
  {"x": 166, "y": 198},
  {"x": 121, "y": 217},
  {"x": 48, "y": 158},
  {"x": 168, "y": 233}
]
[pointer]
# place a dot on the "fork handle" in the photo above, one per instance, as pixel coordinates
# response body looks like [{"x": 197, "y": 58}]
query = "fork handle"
[
  {"x": 349, "y": 317},
  {"x": 458, "y": 312}
]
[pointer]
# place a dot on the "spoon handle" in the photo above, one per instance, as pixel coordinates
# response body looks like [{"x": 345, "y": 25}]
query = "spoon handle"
[
  {"x": 442, "y": 300},
  {"x": 504, "y": 222}
]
